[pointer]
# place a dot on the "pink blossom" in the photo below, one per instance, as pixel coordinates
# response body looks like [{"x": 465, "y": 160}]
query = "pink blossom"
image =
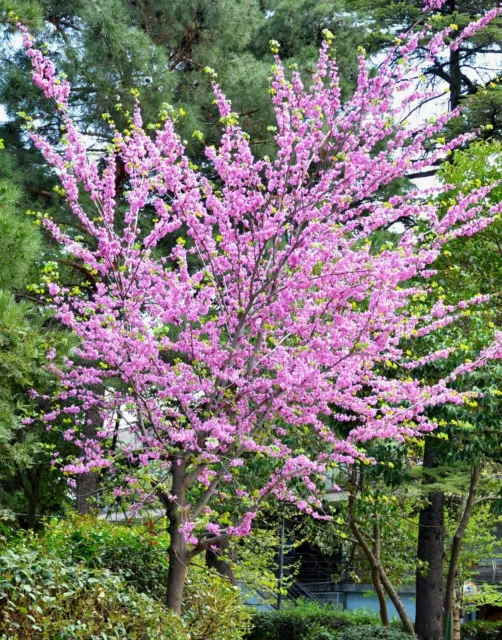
[{"x": 277, "y": 318}]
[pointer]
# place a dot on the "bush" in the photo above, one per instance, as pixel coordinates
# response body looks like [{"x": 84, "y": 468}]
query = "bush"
[
  {"x": 138, "y": 554},
  {"x": 317, "y": 632},
  {"x": 303, "y": 620},
  {"x": 481, "y": 630},
  {"x": 43, "y": 598},
  {"x": 213, "y": 609},
  {"x": 133, "y": 561},
  {"x": 372, "y": 632}
]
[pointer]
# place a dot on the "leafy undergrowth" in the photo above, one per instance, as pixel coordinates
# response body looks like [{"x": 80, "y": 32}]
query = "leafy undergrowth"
[{"x": 84, "y": 579}]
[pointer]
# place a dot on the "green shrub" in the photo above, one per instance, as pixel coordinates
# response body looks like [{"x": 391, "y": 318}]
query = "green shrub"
[
  {"x": 481, "y": 630},
  {"x": 43, "y": 598},
  {"x": 212, "y": 607},
  {"x": 137, "y": 553},
  {"x": 304, "y": 619},
  {"x": 317, "y": 632},
  {"x": 372, "y": 632}
]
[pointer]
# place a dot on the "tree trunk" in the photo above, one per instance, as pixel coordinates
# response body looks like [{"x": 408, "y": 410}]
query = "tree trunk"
[
  {"x": 376, "y": 566},
  {"x": 178, "y": 552},
  {"x": 429, "y": 586},
  {"x": 449, "y": 601},
  {"x": 382, "y": 601},
  {"x": 397, "y": 602},
  {"x": 457, "y": 622},
  {"x": 87, "y": 483},
  {"x": 31, "y": 489},
  {"x": 375, "y": 575},
  {"x": 178, "y": 567}
]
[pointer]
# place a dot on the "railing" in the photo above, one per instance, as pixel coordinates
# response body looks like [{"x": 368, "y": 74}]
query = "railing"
[
  {"x": 296, "y": 590},
  {"x": 299, "y": 590},
  {"x": 324, "y": 587}
]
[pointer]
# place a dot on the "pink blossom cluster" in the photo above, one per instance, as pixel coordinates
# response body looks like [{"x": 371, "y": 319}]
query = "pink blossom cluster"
[
  {"x": 433, "y": 4},
  {"x": 276, "y": 313}
]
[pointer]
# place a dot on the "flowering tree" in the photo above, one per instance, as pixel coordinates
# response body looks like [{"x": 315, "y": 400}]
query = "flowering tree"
[{"x": 275, "y": 313}]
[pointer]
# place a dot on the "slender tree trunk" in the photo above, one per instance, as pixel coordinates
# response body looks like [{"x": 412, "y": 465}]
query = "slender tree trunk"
[
  {"x": 457, "y": 622},
  {"x": 31, "y": 489},
  {"x": 397, "y": 602},
  {"x": 449, "y": 600},
  {"x": 31, "y": 513},
  {"x": 281, "y": 564},
  {"x": 375, "y": 575},
  {"x": 178, "y": 552},
  {"x": 87, "y": 483},
  {"x": 376, "y": 566},
  {"x": 382, "y": 601},
  {"x": 429, "y": 585}
]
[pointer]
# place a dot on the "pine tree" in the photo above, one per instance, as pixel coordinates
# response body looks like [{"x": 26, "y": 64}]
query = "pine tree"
[
  {"x": 162, "y": 48},
  {"x": 27, "y": 485},
  {"x": 470, "y": 73}
]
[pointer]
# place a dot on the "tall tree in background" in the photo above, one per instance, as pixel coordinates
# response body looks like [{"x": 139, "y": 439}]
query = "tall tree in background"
[
  {"x": 470, "y": 73},
  {"x": 474, "y": 431},
  {"x": 27, "y": 332},
  {"x": 161, "y": 49},
  {"x": 474, "y": 263}
]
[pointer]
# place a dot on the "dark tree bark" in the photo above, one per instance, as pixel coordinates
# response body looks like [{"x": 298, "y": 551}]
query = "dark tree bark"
[
  {"x": 31, "y": 489},
  {"x": 178, "y": 551},
  {"x": 375, "y": 575},
  {"x": 87, "y": 483},
  {"x": 32, "y": 512},
  {"x": 449, "y": 600},
  {"x": 429, "y": 583}
]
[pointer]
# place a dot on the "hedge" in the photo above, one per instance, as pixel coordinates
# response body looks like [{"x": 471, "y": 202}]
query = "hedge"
[
  {"x": 481, "y": 630},
  {"x": 312, "y": 621},
  {"x": 306, "y": 620},
  {"x": 212, "y": 608},
  {"x": 43, "y": 598},
  {"x": 372, "y": 632}
]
